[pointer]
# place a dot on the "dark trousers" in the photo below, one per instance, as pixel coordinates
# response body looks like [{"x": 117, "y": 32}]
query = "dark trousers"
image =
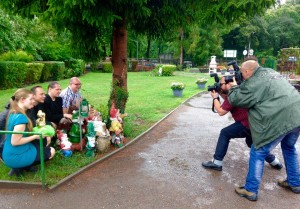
[{"x": 235, "y": 130}]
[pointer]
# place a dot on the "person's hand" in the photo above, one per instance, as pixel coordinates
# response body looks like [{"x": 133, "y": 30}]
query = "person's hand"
[
  {"x": 214, "y": 94},
  {"x": 231, "y": 84},
  {"x": 68, "y": 116}
]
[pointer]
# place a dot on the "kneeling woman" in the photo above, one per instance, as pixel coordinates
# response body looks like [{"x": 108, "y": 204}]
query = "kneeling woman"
[{"x": 19, "y": 153}]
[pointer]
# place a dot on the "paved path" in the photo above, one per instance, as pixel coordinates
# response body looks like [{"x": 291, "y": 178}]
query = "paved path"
[{"x": 163, "y": 170}]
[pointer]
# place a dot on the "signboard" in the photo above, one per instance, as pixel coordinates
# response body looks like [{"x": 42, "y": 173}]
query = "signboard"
[{"x": 229, "y": 53}]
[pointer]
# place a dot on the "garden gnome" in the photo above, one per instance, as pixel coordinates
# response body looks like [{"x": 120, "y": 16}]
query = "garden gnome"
[
  {"x": 65, "y": 144},
  {"x": 116, "y": 127}
]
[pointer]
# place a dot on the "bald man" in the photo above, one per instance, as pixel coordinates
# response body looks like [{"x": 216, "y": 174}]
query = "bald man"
[
  {"x": 71, "y": 96},
  {"x": 274, "y": 117}
]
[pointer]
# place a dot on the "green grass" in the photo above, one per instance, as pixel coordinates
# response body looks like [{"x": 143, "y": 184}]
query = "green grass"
[{"x": 150, "y": 99}]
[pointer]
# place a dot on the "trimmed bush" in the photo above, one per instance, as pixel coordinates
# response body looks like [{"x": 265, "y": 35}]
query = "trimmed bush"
[
  {"x": 20, "y": 56},
  {"x": 74, "y": 67},
  {"x": 34, "y": 72},
  {"x": 52, "y": 71},
  {"x": 167, "y": 70},
  {"x": 107, "y": 67},
  {"x": 13, "y": 74}
]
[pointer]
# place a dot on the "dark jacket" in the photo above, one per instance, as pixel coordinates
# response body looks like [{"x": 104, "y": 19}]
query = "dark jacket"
[
  {"x": 272, "y": 102},
  {"x": 3, "y": 116}
]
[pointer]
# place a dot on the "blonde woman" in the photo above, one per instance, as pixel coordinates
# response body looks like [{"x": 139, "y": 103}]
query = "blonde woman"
[{"x": 18, "y": 152}]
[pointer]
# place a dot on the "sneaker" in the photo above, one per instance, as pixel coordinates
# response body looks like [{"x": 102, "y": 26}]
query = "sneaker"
[
  {"x": 284, "y": 184},
  {"x": 278, "y": 166},
  {"x": 211, "y": 165},
  {"x": 244, "y": 193}
]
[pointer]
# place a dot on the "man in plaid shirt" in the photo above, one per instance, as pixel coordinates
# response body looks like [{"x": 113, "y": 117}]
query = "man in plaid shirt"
[
  {"x": 71, "y": 96},
  {"x": 239, "y": 129}
]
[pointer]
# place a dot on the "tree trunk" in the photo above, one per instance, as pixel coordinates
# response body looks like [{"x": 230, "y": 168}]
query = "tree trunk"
[{"x": 119, "y": 62}]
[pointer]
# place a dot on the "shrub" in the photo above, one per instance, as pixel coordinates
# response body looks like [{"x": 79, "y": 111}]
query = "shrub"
[
  {"x": 13, "y": 74},
  {"x": 20, "y": 56},
  {"x": 74, "y": 67},
  {"x": 34, "y": 72},
  {"x": 107, "y": 67},
  {"x": 167, "y": 70},
  {"x": 52, "y": 70}
]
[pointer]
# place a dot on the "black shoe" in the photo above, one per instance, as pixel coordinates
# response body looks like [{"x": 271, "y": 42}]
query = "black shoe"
[
  {"x": 278, "y": 166},
  {"x": 284, "y": 184},
  {"x": 211, "y": 165},
  {"x": 244, "y": 193},
  {"x": 32, "y": 169},
  {"x": 15, "y": 171}
]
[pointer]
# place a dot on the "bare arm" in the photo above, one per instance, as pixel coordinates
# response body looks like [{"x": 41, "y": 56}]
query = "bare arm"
[
  {"x": 19, "y": 139},
  {"x": 217, "y": 104}
]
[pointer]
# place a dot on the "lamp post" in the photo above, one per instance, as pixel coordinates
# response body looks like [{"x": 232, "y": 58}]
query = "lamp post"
[{"x": 249, "y": 46}]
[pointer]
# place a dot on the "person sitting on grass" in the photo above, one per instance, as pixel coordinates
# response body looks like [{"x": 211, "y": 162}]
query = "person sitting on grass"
[{"x": 18, "y": 151}]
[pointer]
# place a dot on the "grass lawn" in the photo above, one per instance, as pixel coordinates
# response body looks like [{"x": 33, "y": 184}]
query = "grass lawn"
[{"x": 150, "y": 99}]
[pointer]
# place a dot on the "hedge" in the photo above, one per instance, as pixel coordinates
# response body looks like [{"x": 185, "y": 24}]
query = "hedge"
[
  {"x": 34, "y": 71},
  {"x": 12, "y": 73},
  {"x": 52, "y": 71}
]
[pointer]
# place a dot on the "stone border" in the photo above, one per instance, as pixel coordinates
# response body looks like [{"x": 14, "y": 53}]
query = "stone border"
[{"x": 29, "y": 185}]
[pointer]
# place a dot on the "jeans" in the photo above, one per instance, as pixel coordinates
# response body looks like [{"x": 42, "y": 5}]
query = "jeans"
[
  {"x": 235, "y": 130},
  {"x": 257, "y": 156}
]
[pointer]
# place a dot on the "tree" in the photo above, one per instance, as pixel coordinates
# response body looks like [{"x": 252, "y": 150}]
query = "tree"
[{"x": 87, "y": 20}]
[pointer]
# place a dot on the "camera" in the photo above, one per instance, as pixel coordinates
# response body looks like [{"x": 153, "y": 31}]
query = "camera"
[
  {"x": 216, "y": 87},
  {"x": 237, "y": 73},
  {"x": 229, "y": 78}
]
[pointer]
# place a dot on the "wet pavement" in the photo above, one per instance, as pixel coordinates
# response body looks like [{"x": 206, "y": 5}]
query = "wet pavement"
[{"x": 162, "y": 169}]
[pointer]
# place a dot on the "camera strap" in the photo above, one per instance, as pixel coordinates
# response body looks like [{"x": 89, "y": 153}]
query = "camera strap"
[{"x": 213, "y": 104}]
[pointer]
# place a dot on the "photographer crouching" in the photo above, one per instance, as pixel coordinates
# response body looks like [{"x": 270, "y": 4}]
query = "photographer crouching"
[{"x": 239, "y": 129}]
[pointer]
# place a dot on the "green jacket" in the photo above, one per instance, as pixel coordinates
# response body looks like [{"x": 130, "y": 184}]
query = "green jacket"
[{"x": 273, "y": 105}]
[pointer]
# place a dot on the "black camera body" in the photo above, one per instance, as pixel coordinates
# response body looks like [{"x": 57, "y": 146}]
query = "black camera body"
[
  {"x": 229, "y": 78},
  {"x": 217, "y": 86},
  {"x": 237, "y": 73}
]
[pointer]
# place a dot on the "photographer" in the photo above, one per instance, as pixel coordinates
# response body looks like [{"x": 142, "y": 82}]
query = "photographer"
[
  {"x": 239, "y": 129},
  {"x": 274, "y": 117}
]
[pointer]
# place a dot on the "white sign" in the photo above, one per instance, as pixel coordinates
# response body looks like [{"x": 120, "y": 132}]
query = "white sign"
[
  {"x": 229, "y": 53},
  {"x": 251, "y": 51},
  {"x": 245, "y": 52}
]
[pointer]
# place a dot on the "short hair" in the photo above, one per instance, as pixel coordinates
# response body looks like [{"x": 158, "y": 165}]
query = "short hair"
[
  {"x": 33, "y": 89},
  {"x": 52, "y": 84}
]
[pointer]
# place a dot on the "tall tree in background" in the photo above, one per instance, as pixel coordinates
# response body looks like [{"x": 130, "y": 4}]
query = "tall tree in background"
[{"x": 86, "y": 20}]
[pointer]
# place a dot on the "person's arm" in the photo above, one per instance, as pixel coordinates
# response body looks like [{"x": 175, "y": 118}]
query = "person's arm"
[
  {"x": 19, "y": 139},
  {"x": 217, "y": 103}
]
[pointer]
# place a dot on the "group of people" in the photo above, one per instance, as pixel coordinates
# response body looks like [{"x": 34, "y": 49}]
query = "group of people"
[
  {"x": 21, "y": 152},
  {"x": 265, "y": 107}
]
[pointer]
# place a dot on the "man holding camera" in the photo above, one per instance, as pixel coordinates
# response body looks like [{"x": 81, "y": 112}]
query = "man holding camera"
[
  {"x": 274, "y": 117},
  {"x": 239, "y": 129}
]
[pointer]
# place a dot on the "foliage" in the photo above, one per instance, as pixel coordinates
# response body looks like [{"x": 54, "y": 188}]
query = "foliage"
[
  {"x": 201, "y": 80},
  {"x": 107, "y": 67},
  {"x": 166, "y": 70},
  {"x": 177, "y": 86},
  {"x": 12, "y": 73},
  {"x": 20, "y": 56},
  {"x": 34, "y": 72},
  {"x": 52, "y": 71},
  {"x": 74, "y": 68}
]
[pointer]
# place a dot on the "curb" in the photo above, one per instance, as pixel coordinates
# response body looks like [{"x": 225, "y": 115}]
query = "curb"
[{"x": 29, "y": 185}]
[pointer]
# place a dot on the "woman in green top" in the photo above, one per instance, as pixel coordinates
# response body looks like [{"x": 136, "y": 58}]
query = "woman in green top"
[{"x": 18, "y": 152}]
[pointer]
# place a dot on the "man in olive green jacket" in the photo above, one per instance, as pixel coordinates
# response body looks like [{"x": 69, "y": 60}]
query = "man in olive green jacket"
[{"x": 274, "y": 117}]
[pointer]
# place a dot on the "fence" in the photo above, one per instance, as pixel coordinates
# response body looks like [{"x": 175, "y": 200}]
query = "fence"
[{"x": 41, "y": 152}]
